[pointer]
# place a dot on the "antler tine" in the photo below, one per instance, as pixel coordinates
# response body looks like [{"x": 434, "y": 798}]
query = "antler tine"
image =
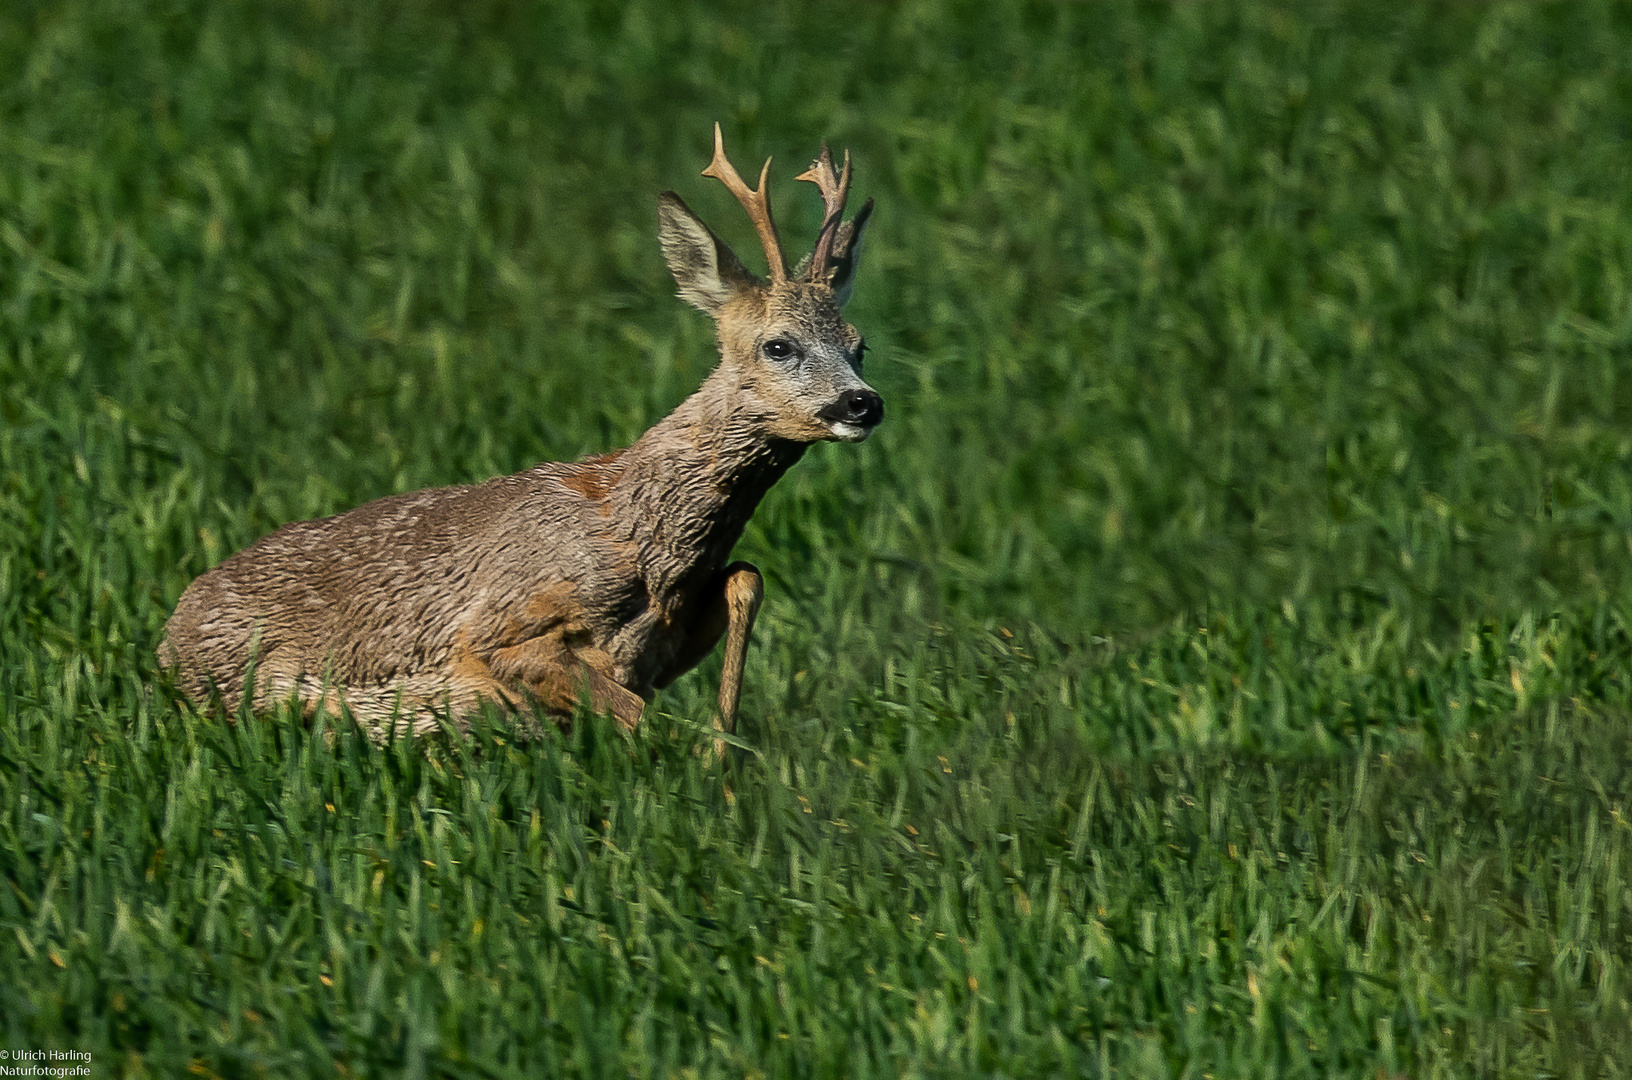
[
  {"x": 835, "y": 188},
  {"x": 757, "y": 203}
]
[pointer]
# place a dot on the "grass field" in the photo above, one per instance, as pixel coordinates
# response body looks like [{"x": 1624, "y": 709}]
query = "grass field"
[{"x": 1216, "y": 666}]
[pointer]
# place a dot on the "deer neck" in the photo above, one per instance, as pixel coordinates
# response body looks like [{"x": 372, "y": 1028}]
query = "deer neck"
[{"x": 690, "y": 484}]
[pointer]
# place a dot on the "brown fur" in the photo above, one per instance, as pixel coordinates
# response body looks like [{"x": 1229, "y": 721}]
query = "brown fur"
[{"x": 601, "y": 580}]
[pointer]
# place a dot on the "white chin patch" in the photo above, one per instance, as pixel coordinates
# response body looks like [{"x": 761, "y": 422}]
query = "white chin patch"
[{"x": 848, "y": 432}]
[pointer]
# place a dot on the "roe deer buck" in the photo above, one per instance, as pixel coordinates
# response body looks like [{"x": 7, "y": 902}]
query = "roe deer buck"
[{"x": 604, "y": 578}]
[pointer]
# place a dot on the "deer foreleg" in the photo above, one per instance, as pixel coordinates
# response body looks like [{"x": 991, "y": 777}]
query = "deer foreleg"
[
  {"x": 744, "y": 589},
  {"x": 730, "y": 614}
]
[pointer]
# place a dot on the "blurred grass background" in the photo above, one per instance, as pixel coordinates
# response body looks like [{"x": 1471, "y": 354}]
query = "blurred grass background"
[{"x": 1233, "y": 604}]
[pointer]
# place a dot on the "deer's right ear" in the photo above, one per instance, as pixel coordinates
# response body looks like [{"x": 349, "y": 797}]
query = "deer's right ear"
[{"x": 706, "y": 270}]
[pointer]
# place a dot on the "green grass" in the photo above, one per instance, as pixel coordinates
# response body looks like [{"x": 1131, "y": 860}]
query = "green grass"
[{"x": 1217, "y": 665}]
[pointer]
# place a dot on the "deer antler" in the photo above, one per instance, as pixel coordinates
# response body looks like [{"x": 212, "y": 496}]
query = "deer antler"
[
  {"x": 757, "y": 203},
  {"x": 835, "y": 188}
]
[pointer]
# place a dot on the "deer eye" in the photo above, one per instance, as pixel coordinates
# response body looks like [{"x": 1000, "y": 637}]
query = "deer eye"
[
  {"x": 779, "y": 349},
  {"x": 861, "y": 354}
]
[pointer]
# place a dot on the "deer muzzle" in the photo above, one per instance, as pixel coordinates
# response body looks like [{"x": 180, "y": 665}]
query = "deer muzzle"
[{"x": 854, "y": 415}]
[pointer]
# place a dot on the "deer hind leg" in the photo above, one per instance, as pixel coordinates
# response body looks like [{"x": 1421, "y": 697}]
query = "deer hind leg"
[{"x": 559, "y": 677}]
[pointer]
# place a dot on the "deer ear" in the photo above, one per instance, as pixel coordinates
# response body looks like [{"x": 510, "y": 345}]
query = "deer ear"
[
  {"x": 706, "y": 270},
  {"x": 847, "y": 253}
]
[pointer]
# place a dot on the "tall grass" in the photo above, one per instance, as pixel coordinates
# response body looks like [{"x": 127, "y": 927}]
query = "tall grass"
[{"x": 1216, "y": 665}]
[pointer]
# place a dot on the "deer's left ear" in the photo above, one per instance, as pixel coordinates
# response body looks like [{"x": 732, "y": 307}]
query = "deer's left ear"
[
  {"x": 847, "y": 253},
  {"x": 704, "y": 267}
]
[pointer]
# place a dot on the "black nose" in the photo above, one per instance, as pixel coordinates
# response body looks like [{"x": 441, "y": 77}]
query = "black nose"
[{"x": 861, "y": 407}]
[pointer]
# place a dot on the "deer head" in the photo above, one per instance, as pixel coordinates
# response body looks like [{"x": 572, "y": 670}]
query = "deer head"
[{"x": 791, "y": 359}]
